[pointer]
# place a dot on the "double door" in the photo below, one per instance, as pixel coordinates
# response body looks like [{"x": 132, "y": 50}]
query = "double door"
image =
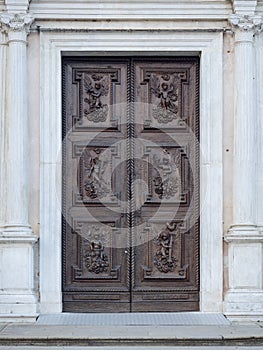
[{"x": 130, "y": 184}]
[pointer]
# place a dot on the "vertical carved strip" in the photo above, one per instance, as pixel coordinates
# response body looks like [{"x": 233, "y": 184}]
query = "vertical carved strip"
[
  {"x": 130, "y": 170},
  {"x": 128, "y": 176},
  {"x": 64, "y": 176},
  {"x": 197, "y": 177}
]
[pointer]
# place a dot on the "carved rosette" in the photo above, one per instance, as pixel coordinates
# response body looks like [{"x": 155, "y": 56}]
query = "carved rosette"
[{"x": 16, "y": 22}]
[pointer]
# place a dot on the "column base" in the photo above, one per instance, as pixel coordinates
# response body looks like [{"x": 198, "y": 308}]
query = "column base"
[
  {"x": 18, "y": 307},
  {"x": 18, "y": 300},
  {"x": 244, "y": 305},
  {"x": 244, "y": 299}
]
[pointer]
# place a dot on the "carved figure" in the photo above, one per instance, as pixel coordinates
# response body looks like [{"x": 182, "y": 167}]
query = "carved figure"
[
  {"x": 165, "y": 88},
  {"x": 95, "y": 259},
  {"x": 164, "y": 259},
  {"x": 96, "y": 86},
  {"x": 94, "y": 184},
  {"x": 166, "y": 185}
]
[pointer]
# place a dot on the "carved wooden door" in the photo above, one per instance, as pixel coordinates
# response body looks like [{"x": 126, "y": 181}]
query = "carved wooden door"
[{"x": 130, "y": 184}]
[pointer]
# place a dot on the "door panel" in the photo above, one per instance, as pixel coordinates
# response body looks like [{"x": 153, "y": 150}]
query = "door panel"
[
  {"x": 165, "y": 270},
  {"x": 95, "y": 270},
  {"x": 130, "y": 185}
]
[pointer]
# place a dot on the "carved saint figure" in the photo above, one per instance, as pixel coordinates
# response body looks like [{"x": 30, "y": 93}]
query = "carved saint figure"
[
  {"x": 95, "y": 186},
  {"x": 166, "y": 184},
  {"x": 96, "y": 86},
  {"x": 96, "y": 259},
  {"x": 164, "y": 259}
]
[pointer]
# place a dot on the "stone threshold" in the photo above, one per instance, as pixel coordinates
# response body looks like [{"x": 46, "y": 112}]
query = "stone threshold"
[{"x": 135, "y": 319}]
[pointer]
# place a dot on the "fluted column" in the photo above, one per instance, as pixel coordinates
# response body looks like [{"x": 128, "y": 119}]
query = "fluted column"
[
  {"x": 244, "y": 125},
  {"x": 244, "y": 295},
  {"x": 17, "y": 139},
  {"x": 2, "y": 125},
  {"x": 259, "y": 81}
]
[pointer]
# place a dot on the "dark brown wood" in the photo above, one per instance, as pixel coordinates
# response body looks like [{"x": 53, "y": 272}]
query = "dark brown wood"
[
  {"x": 130, "y": 185},
  {"x": 165, "y": 274}
]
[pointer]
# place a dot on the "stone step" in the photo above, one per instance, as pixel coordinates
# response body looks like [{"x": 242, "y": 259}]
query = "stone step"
[{"x": 131, "y": 336}]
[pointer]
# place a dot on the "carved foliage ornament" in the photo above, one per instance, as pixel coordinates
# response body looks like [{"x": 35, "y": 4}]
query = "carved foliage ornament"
[
  {"x": 16, "y": 22},
  {"x": 246, "y": 22}
]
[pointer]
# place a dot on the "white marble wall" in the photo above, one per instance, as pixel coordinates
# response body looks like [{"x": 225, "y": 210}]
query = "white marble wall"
[{"x": 232, "y": 220}]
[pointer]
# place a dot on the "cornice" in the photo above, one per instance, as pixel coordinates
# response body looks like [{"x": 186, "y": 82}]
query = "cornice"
[{"x": 79, "y": 10}]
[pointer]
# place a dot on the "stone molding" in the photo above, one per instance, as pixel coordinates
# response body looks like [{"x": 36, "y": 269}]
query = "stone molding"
[
  {"x": 244, "y": 6},
  {"x": 239, "y": 237},
  {"x": 127, "y": 10},
  {"x": 16, "y": 22}
]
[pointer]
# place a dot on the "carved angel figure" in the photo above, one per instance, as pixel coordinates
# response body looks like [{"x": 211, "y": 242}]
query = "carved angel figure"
[
  {"x": 165, "y": 88},
  {"x": 96, "y": 86}
]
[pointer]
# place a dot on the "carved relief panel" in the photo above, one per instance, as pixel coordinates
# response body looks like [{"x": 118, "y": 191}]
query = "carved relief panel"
[
  {"x": 95, "y": 258},
  {"x": 98, "y": 90},
  {"x": 166, "y": 93},
  {"x": 168, "y": 174},
  {"x": 164, "y": 252}
]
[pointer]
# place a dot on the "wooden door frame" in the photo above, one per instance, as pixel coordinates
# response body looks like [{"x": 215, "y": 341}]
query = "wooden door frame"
[{"x": 210, "y": 47}]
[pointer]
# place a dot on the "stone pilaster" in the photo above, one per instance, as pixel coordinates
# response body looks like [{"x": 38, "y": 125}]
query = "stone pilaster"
[
  {"x": 259, "y": 97},
  {"x": 245, "y": 294},
  {"x": 17, "y": 295},
  {"x": 17, "y": 141},
  {"x": 2, "y": 125},
  {"x": 244, "y": 132}
]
